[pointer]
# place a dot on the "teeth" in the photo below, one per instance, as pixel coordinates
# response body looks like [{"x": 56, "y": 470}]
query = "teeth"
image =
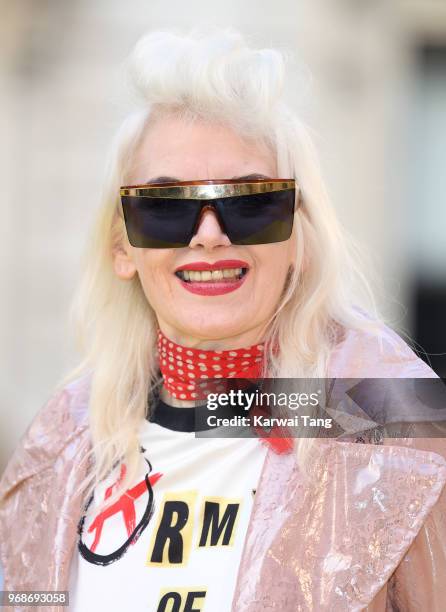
[{"x": 207, "y": 275}]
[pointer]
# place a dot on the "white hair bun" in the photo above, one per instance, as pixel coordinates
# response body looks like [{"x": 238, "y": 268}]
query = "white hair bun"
[{"x": 212, "y": 73}]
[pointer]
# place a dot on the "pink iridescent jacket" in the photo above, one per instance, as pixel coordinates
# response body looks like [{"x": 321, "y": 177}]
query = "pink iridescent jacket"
[{"x": 367, "y": 533}]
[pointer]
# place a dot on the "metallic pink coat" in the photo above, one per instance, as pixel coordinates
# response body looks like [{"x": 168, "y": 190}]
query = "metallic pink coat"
[{"x": 366, "y": 532}]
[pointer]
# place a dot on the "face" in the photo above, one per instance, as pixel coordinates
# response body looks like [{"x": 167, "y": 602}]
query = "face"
[{"x": 173, "y": 148}]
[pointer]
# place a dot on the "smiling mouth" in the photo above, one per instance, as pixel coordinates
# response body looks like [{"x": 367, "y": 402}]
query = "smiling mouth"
[{"x": 211, "y": 276}]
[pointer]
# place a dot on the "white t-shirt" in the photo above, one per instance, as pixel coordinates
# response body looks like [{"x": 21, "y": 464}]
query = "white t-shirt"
[{"x": 191, "y": 538}]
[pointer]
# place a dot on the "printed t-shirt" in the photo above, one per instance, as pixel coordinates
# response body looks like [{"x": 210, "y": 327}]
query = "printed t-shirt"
[{"x": 190, "y": 508}]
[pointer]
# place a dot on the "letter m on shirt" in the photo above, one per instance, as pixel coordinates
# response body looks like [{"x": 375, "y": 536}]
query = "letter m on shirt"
[{"x": 218, "y": 521}]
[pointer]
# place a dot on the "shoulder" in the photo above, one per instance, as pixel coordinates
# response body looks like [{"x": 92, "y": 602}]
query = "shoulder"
[
  {"x": 375, "y": 351},
  {"x": 61, "y": 420},
  {"x": 369, "y": 355},
  {"x": 36, "y": 489},
  {"x": 363, "y": 358}
]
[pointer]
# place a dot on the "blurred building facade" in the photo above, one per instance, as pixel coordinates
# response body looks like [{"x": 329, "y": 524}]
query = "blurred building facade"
[{"x": 377, "y": 102}]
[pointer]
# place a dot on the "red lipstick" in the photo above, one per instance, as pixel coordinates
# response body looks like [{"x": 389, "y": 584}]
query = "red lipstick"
[{"x": 214, "y": 286}]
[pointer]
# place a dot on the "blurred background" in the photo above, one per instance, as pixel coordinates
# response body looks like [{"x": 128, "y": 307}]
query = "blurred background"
[{"x": 374, "y": 93}]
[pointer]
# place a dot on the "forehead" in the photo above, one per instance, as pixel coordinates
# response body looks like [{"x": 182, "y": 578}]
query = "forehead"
[{"x": 191, "y": 150}]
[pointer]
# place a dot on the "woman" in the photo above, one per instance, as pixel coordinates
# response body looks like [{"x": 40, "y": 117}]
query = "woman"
[{"x": 111, "y": 494}]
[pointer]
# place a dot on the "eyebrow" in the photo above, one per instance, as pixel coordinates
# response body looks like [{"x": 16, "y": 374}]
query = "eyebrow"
[{"x": 172, "y": 179}]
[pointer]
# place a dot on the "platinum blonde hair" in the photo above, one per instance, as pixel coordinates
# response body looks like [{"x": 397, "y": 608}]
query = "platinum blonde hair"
[{"x": 215, "y": 77}]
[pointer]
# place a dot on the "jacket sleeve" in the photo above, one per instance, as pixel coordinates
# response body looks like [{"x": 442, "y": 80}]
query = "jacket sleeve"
[{"x": 419, "y": 582}]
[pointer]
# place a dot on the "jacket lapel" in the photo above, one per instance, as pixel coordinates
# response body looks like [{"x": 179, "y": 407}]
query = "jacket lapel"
[{"x": 332, "y": 541}]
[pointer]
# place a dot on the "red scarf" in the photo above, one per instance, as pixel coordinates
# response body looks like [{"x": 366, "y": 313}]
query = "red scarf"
[{"x": 190, "y": 374}]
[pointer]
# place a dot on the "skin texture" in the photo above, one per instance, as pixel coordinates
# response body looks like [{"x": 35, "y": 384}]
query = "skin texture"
[{"x": 172, "y": 147}]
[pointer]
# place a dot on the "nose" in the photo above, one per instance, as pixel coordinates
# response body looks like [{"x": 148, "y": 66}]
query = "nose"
[{"x": 209, "y": 233}]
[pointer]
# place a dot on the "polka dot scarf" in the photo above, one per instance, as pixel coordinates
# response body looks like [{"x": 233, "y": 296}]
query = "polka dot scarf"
[{"x": 190, "y": 374}]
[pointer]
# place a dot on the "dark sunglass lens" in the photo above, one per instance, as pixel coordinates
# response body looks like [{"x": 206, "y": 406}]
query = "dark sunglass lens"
[
  {"x": 259, "y": 218},
  {"x": 159, "y": 223}
]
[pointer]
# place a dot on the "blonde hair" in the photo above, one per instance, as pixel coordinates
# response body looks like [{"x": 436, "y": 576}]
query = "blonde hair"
[{"x": 214, "y": 77}]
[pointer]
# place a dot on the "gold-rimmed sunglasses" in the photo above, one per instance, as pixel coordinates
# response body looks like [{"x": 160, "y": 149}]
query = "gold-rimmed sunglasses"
[{"x": 167, "y": 215}]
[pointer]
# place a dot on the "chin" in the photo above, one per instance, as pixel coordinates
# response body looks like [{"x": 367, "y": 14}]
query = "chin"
[{"x": 211, "y": 329}]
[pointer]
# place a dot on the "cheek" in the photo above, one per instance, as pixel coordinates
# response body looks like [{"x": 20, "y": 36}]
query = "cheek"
[
  {"x": 153, "y": 269},
  {"x": 274, "y": 262}
]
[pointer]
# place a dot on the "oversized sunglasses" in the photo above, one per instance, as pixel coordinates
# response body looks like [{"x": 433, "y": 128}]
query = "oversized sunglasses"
[{"x": 167, "y": 215}]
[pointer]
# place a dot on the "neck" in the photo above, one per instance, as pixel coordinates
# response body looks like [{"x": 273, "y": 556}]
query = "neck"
[{"x": 222, "y": 343}]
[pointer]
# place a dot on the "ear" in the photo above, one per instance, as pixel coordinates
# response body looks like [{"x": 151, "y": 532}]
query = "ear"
[{"x": 123, "y": 263}]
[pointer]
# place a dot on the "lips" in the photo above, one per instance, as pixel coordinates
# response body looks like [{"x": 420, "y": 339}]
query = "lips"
[{"x": 217, "y": 278}]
